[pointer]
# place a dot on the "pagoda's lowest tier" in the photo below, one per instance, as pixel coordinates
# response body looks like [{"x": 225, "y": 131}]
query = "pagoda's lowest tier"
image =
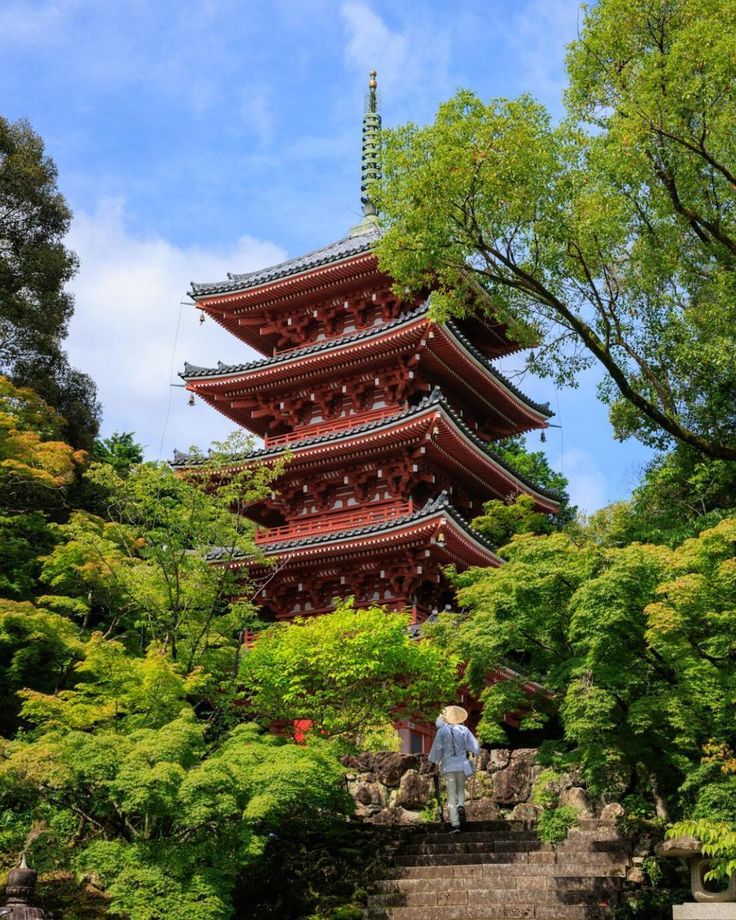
[{"x": 398, "y": 563}]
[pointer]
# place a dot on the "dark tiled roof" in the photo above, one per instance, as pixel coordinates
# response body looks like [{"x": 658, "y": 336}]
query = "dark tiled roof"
[
  {"x": 435, "y": 398},
  {"x": 433, "y": 506},
  {"x": 543, "y": 408},
  {"x": 341, "y": 249},
  {"x": 192, "y": 371}
]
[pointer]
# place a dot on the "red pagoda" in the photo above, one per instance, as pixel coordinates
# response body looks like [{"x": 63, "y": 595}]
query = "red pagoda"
[{"x": 389, "y": 418}]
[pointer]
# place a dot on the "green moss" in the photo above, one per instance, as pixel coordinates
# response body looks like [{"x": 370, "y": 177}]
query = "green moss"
[{"x": 555, "y": 823}]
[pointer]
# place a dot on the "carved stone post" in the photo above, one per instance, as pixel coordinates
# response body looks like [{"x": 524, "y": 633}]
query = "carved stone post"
[
  {"x": 20, "y": 892},
  {"x": 706, "y": 904}
]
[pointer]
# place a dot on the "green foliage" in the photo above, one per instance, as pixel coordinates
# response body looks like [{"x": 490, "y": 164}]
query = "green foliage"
[
  {"x": 546, "y": 790},
  {"x": 141, "y": 571},
  {"x": 633, "y": 647},
  {"x": 555, "y": 823},
  {"x": 125, "y": 761},
  {"x": 534, "y": 466},
  {"x": 609, "y": 237},
  {"x": 37, "y": 472},
  {"x": 35, "y": 267},
  {"x": 501, "y": 520},
  {"x": 555, "y": 820},
  {"x": 120, "y": 451},
  {"x": 119, "y": 780},
  {"x": 36, "y": 648},
  {"x": 345, "y": 672},
  {"x": 680, "y": 494}
]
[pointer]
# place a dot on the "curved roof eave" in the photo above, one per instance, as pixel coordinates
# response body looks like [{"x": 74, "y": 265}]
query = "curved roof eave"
[
  {"x": 433, "y": 400},
  {"x": 434, "y": 507},
  {"x": 345, "y": 248}
]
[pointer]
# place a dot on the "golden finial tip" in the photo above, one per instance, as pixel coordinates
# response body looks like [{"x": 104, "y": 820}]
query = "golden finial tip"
[{"x": 372, "y": 82}]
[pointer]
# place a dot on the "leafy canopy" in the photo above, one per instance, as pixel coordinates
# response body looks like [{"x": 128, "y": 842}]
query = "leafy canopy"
[
  {"x": 38, "y": 472},
  {"x": 633, "y": 646},
  {"x": 119, "y": 780},
  {"x": 346, "y": 672},
  {"x": 35, "y": 267},
  {"x": 608, "y": 238}
]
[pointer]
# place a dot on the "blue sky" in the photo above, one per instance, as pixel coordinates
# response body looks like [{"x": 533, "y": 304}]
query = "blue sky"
[{"x": 204, "y": 136}]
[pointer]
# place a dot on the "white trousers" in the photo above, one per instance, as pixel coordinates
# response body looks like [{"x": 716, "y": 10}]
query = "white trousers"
[{"x": 455, "y": 795}]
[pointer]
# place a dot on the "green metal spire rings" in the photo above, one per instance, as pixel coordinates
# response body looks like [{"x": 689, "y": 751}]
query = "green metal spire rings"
[{"x": 370, "y": 159}]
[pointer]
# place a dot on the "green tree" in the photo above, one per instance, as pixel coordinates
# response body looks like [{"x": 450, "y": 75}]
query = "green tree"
[
  {"x": 502, "y": 519},
  {"x": 118, "y": 780},
  {"x": 35, "y": 267},
  {"x": 346, "y": 672},
  {"x": 632, "y": 646},
  {"x": 608, "y": 238},
  {"x": 37, "y": 472},
  {"x": 121, "y": 451},
  {"x": 142, "y": 572}
]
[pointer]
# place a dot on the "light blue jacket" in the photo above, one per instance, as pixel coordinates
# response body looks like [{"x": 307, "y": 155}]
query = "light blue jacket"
[{"x": 450, "y": 747}]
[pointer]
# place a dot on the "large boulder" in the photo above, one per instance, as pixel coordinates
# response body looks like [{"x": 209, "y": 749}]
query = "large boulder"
[
  {"x": 612, "y": 812},
  {"x": 513, "y": 784},
  {"x": 390, "y": 766},
  {"x": 496, "y": 759},
  {"x": 415, "y": 790},
  {"x": 577, "y": 798},
  {"x": 480, "y": 810},
  {"x": 358, "y": 763},
  {"x": 370, "y": 798},
  {"x": 394, "y": 816},
  {"x": 525, "y": 811}
]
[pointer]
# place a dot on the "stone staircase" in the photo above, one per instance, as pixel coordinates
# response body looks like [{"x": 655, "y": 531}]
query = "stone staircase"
[{"x": 500, "y": 870}]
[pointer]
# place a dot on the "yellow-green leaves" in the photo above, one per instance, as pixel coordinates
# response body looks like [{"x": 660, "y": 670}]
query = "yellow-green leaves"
[
  {"x": 614, "y": 243},
  {"x": 633, "y": 647},
  {"x": 346, "y": 672}
]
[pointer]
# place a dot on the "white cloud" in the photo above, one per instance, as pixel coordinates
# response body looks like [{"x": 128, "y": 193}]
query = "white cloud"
[
  {"x": 371, "y": 41},
  {"x": 128, "y": 295},
  {"x": 412, "y": 59},
  {"x": 588, "y": 488}
]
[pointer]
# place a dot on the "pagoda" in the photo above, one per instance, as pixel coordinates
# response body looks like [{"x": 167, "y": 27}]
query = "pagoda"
[{"x": 388, "y": 417}]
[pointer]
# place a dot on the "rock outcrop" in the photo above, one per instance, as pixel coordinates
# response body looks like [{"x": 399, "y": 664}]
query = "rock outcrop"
[{"x": 391, "y": 788}]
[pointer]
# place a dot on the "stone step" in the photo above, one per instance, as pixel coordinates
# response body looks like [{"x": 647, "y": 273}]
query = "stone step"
[
  {"x": 458, "y": 843},
  {"x": 482, "y": 912},
  {"x": 532, "y": 857},
  {"x": 497, "y": 880},
  {"x": 518, "y": 897},
  {"x": 469, "y": 832},
  {"x": 566, "y": 869},
  {"x": 472, "y": 829}
]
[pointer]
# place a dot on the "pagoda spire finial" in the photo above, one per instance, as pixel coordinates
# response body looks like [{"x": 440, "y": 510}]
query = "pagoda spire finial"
[{"x": 370, "y": 168}]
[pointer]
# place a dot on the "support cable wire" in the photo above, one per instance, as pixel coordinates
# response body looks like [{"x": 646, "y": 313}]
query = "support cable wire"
[{"x": 182, "y": 304}]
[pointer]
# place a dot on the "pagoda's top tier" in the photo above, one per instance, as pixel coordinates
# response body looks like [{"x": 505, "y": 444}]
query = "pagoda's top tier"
[
  {"x": 339, "y": 251},
  {"x": 322, "y": 295}
]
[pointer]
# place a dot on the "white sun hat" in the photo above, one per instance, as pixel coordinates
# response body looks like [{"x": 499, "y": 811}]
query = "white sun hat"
[{"x": 454, "y": 715}]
